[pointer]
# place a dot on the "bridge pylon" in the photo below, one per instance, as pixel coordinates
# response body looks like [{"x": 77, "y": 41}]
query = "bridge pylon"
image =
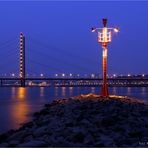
[{"x": 22, "y": 60}]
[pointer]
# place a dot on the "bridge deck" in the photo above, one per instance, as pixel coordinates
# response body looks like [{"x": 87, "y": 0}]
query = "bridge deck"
[{"x": 143, "y": 79}]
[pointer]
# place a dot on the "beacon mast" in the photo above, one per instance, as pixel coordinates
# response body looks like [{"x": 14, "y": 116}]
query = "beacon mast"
[{"x": 104, "y": 37}]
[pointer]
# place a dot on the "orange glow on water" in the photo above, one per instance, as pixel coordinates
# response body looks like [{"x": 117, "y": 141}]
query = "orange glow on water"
[
  {"x": 19, "y": 113},
  {"x": 21, "y": 93},
  {"x": 20, "y": 109}
]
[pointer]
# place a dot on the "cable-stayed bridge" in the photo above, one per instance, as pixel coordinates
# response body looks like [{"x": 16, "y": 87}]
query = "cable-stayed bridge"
[{"x": 25, "y": 61}]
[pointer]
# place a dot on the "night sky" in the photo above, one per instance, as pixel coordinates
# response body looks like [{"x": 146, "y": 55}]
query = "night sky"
[{"x": 59, "y": 39}]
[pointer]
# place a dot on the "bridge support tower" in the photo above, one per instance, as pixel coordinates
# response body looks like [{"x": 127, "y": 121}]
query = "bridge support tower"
[{"x": 22, "y": 60}]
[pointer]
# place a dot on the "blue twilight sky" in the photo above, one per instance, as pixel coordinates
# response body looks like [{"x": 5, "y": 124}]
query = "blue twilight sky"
[{"x": 58, "y": 36}]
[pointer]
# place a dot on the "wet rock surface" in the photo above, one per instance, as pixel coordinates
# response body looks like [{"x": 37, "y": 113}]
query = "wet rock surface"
[{"x": 85, "y": 120}]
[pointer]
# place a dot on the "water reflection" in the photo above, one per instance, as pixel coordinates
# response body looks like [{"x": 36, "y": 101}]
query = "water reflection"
[
  {"x": 71, "y": 91},
  {"x": 128, "y": 90},
  {"x": 42, "y": 91},
  {"x": 17, "y": 103},
  {"x": 78, "y": 91},
  {"x": 13, "y": 90},
  {"x": 20, "y": 108},
  {"x": 21, "y": 93},
  {"x": 56, "y": 91},
  {"x": 18, "y": 113},
  {"x": 143, "y": 91},
  {"x": 93, "y": 89},
  {"x": 114, "y": 91},
  {"x": 63, "y": 91}
]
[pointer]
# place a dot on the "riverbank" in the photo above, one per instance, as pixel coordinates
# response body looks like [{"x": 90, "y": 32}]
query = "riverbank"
[{"x": 85, "y": 120}]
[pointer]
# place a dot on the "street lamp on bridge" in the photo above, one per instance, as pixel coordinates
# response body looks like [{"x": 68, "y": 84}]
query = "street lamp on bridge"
[{"x": 104, "y": 37}]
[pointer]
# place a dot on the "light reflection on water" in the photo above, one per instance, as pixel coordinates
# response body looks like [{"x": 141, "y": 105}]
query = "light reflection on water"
[
  {"x": 71, "y": 91},
  {"x": 114, "y": 90},
  {"x": 21, "y": 93},
  {"x": 20, "y": 109},
  {"x": 93, "y": 90},
  {"x": 16, "y": 104},
  {"x": 42, "y": 91},
  {"x": 63, "y": 91},
  {"x": 129, "y": 90},
  {"x": 143, "y": 92},
  {"x": 56, "y": 91}
]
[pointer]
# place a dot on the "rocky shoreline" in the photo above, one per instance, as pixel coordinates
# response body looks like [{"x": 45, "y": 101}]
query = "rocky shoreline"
[{"x": 84, "y": 121}]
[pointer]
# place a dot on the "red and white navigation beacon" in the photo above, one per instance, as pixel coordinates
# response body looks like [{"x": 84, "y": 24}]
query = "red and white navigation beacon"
[{"x": 105, "y": 37}]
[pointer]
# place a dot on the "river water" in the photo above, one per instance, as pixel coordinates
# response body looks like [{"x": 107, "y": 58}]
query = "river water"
[{"x": 17, "y": 104}]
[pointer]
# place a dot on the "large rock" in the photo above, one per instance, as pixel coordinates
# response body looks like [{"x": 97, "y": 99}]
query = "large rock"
[
  {"x": 40, "y": 131},
  {"x": 33, "y": 143}
]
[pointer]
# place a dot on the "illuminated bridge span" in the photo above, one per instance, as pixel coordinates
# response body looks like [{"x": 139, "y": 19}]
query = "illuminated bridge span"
[
  {"x": 21, "y": 78},
  {"x": 69, "y": 82}
]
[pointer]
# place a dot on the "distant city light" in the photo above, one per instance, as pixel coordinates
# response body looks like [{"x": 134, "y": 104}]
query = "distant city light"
[
  {"x": 63, "y": 75},
  {"x": 70, "y": 74},
  {"x": 114, "y": 75},
  {"x": 13, "y": 75},
  {"x": 56, "y": 74},
  {"x": 92, "y": 75},
  {"x": 128, "y": 75},
  {"x": 41, "y": 75},
  {"x": 143, "y": 75}
]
